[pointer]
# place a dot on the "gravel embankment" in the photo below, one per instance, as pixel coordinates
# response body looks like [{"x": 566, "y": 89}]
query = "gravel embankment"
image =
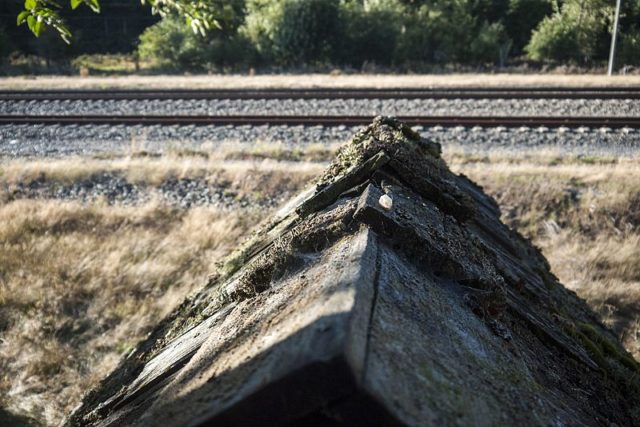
[
  {"x": 393, "y": 107},
  {"x": 58, "y": 141},
  {"x": 113, "y": 188}
]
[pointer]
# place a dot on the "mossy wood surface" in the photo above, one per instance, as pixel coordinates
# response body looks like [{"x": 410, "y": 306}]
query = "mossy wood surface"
[{"x": 422, "y": 310}]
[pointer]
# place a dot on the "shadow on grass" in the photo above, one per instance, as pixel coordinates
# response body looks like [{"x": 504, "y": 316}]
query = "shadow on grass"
[{"x": 12, "y": 420}]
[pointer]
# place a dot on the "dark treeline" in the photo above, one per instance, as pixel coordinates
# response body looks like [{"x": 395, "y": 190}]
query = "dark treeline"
[
  {"x": 115, "y": 30},
  {"x": 397, "y": 34}
]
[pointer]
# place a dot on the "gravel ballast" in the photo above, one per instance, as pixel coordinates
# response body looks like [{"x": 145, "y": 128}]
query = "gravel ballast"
[
  {"x": 113, "y": 188},
  {"x": 60, "y": 141},
  {"x": 390, "y": 107}
]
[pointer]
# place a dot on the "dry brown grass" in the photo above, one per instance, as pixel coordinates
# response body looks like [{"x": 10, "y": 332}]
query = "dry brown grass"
[
  {"x": 262, "y": 175},
  {"x": 317, "y": 80},
  {"x": 586, "y": 220},
  {"x": 153, "y": 170},
  {"x": 458, "y": 154},
  {"x": 81, "y": 284}
]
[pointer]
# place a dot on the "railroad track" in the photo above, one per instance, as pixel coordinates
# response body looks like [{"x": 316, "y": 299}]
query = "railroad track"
[
  {"x": 261, "y": 120},
  {"x": 392, "y": 93}
]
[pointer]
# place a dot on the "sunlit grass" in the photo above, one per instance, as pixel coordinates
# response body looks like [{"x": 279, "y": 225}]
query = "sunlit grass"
[
  {"x": 319, "y": 81},
  {"x": 253, "y": 174},
  {"x": 80, "y": 284}
]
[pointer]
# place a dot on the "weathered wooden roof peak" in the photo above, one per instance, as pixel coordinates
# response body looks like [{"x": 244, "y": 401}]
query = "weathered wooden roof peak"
[{"x": 390, "y": 293}]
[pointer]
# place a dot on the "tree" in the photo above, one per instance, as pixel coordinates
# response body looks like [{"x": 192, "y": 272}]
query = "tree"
[
  {"x": 522, "y": 17},
  {"x": 577, "y": 31},
  {"x": 170, "y": 44},
  {"x": 201, "y": 15},
  {"x": 308, "y": 32},
  {"x": 294, "y": 32}
]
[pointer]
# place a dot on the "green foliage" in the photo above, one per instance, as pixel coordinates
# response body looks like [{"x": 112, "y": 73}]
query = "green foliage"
[
  {"x": 578, "y": 32},
  {"x": 522, "y": 17},
  {"x": 200, "y": 15},
  {"x": 261, "y": 21},
  {"x": 50, "y": 47},
  {"x": 490, "y": 45},
  {"x": 384, "y": 32},
  {"x": 347, "y": 32},
  {"x": 555, "y": 38},
  {"x": 308, "y": 32},
  {"x": 371, "y": 34},
  {"x": 629, "y": 52},
  {"x": 41, "y": 14},
  {"x": 629, "y": 36},
  {"x": 91, "y": 4},
  {"x": 292, "y": 32},
  {"x": 451, "y": 32},
  {"x": 170, "y": 44},
  {"x": 395, "y": 33}
]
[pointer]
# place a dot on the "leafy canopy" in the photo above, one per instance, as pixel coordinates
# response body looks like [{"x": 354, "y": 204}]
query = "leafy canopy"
[{"x": 201, "y": 15}]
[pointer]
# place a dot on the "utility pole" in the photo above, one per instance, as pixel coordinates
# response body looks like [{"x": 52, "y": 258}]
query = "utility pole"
[{"x": 614, "y": 36}]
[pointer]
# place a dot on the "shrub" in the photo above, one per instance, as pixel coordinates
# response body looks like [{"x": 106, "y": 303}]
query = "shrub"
[
  {"x": 555, "y": 38},
  {"x": 169, "y": 43},
  {"x": 418, "y": 42},
  {"x": 370, "y": 35},
  {"x": 451, "y": 33},
  {"x": 307, "y": 32},
  {"x": 521, "y": 19},
  {"x": 224, "y": 53},
  {"x": 398, "y": 33},
  {"x": 261, "y": 21},
  {"x": 294, "y": 32},
  {"x": 172, "y": 44},
  {"x": 578, "y": 32},
  {"x": 629, "y": 53},
  {"x": 490, "y": 45}
]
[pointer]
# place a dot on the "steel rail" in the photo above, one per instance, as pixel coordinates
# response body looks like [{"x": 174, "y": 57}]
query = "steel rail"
[
  {"x": 317, "y": 93},
  {"x": 262, "y": 120}
]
